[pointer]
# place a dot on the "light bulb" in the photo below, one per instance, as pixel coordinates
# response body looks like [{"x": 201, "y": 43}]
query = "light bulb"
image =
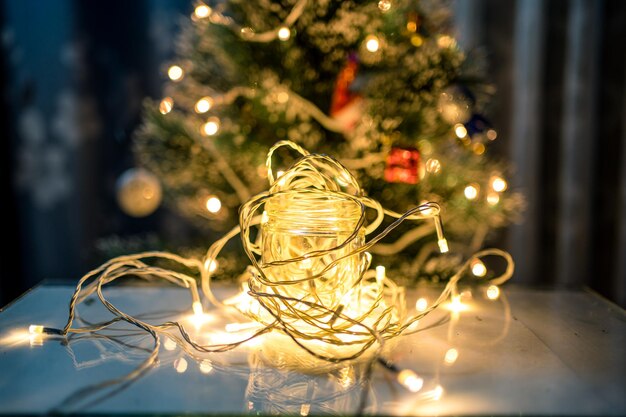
[
  {"x": 493, "y": 292},
  {"x": 498, "y": 184},
  {"x": 433, "y": 166},
  {"x": 169, "y": 344},
  {"x": 211, "y": 127},
  {"x": 492, "y": 134},
  {"x": 380, "y": 274},
  {"x": 197, "y": 308},
  {"x": 206, "y": 366},
  {"x": 478, "y": 268},
  {"x": 201, "y": 11},
  {"x": 372, "y": 43},
  {"x": 204, "y": 105},
  {"x": 175, "y": 73},
  {"x": 410, "y": 380},
  {"x": 213, "y": 204},
  {"x": 305, "y": 409},
  {"x": 460, "y": 131},
  {"x": 421, "y": 304},
  {"x": 471, "y": 191},
  {"x": 210, "y": 265},
  {"x": 493, "y": 199},
  {"x": 384, "y": 5},
  {"x": 166, "y": 105},
  {"x": 35, "y": 329},
  {"x": 451, "y": 356},
  {"x": 180, "y": 365},
  {"x": 284, "y": 33},
  {"x": 443, "y": 245}
]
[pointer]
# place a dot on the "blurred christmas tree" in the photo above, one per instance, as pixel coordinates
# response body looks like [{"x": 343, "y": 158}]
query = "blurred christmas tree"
[{"x": 381, "y": 85}]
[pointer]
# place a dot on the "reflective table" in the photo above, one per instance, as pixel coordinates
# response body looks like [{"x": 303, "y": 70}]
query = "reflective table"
[{"x": 517, "y": 352}]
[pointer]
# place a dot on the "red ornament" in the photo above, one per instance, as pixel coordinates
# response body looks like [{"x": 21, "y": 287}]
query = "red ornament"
[
  {"x": 403, "y": 165},
  {"x": 346, "y": 105}
]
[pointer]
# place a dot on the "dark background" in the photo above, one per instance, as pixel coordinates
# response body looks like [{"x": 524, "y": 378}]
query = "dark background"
[{"x": 73, "y": 75}]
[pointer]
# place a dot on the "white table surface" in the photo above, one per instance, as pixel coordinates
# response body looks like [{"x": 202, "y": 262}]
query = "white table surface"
[{"x": 531, "y": 352}]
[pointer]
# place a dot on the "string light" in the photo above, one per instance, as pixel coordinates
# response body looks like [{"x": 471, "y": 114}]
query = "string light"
[
  {"x": 493, "y": 199},
  {"x": 35, "y": 329},
  {"x": 410, "y": 380},
  {"x": 433, "y": 166},
  {"x": 380, "y": 274},
  {"x": 478, "y": 148},
  {"x": 213, "y": 204},
  {"x": 498, "y": 184},
  {"x": 169, "y": 344},
  {"x": 492, "y": 134},
  {"x": 181, "y": 365},
  {"x": 493, "y": 292},
  {"x": 203, "y": 105},
  {"x": 206, "y": 366},
  {"x": 478, "y": 268},
  {"x": 451, "y": 356},
  {"x": 421, "y": 304},
  {"x": 211, "y": 127},
  {"x": 211, "y": 265},
  {"x": 460, "y": 131},
  {"x": 201, "y": 11},
  {"x": 166, "y": 105},
  {"x": 284, "y": 33},
  {"x": 445, "y": 41},
  {"x": 175, "y": 73},
  {"x": 384, "y": 5},
  {"x": 471, "y": 191},
  {"x": 372, "y": 44}
]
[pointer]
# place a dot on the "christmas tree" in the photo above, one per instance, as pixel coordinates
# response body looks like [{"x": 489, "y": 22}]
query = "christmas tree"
[{"x": 380, "y": 85}]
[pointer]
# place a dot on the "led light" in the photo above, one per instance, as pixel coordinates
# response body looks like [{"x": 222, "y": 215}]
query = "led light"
[
  {"x": 306, "y": 263},
  {"x": 443, "y": 245},
  {"x": 478, "y": 268},
  {"x": 478, "y": 148},
  {"x": 384, "y": 5},
  {"x": 437, "y": 393},
  {"x": 264, "y": 217},
  {"x": 372, "y": 43},
  {"x": 471, "y": 191},
  {"x": 493, "y": 292},
  {"x": 305, "y": 409},
  {"x": 451, "y": 356},
  {"x": 456, "y": 305},
  {"x": 169, "y": 344},
  {"x": 421, "y": 304},
  {"x": 175, "y": 73},
  {"x": 446, "y": 41},
  {"x": 206, "y": 366},
  {"x": 180, "y": 365},
  {"x": 280, "y": 174},
  {"x": 282, "y": 97},
  {"x": 492, "y": 134},
  {"x": 211, "y": 265},
  {"x": 201, "y": 11},
  {"x": 211, "y": 127},
  {"x": 197, "y": 308},
  {"x": 460, "y": 131},
  {"x": 410, "y": 380},
  {"x": 284, "y": 33},
  {"x": 204, "y": 105},
  {"x": 380, "y": 274},
  {"x": 213, "y": 204},
  {"x": 493, "y": 199},
  {"x": 498, "y": 184},
  {"x": 35, "y": 329},
  {"x": 166, "y": 105}
]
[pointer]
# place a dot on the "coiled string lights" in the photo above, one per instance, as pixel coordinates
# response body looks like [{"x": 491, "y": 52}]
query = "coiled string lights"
[{"x": 309, "y": 278}]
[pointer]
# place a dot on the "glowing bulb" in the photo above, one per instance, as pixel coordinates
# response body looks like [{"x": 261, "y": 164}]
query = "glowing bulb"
[
  {"x": 451, "y": 356},
  {"x": 282, "y": 97},
  {"x": 175, "y": 73},
  {"x": 211, "y": 127},
  {"x": 197, "y": 308},
  {"x": 460, "y": 131},
  {"x": 35, "y": 329},
  {"x": 306, "y": 264},
  {"x": 478, "y": 268},
  {"x": 445, "y": 41},
  {"x": 380, "y": 274},
  {"x": 478, "y": 148},
  {"x": 201, "y": 11},
  {"x": 433, "y": 166},
  {"x": 437, "y": 393},
  {"x": 471, "y": 191},
  {"x": 206, "y": 366},
  {"x": 169, "y": 344},
  {"x": 210, "y": 265},
  {"x": 264, "y": 217},
  {"x": 284, "y": 33},
  {"x": 204, "y": 105},
  {"x": 280, "y": 174},
  {"x": 384, "y": 5},
  {"x": 498, "y": 184},
  {"x": 456, "y": 305},
  {"x": 443, "y": 245},
  {"x": 410, "y": 380},
  {"x": 372, "y": 43},
  {"x": 417, "y": 40},
  {"x": 213, "y": 204},
  {"x": 305, "y": 409},
  {"x": 421, "y": 304},
  {"x": 166, "y": 105},
  {"x": 180, "y": 365},
  {"x": 492, "y": 134},
  {"x": 493, "y": 292},
  {"x": 493, "y": 198}
]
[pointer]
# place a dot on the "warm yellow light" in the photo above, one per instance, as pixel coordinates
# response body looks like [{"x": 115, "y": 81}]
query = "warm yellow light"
[
  {"x": 211, "y": 265},
  {"x": 175, "y": 73},
  {"x": 211, "y": 127},
  {"x": 213, "y": 204},
  {"x": 437, "y": 393},
  {"x": 493, "y": 292},
  {"x": 180, "y": 365},
  {"x": 282, "y": 97},
  {"x": 493, "y": 198},
  {"x": 264, "y": 217},
  {"x": 451, "y": 356},
  {"x": 204, "y": 105},
  {"x": 498, "y": 184},
  {"x": 372, "y": 43},
  {"x": 305, "y": 409},
  {"x": 492, "y": 134},
  {"x": 478, "y": 268},
  {"x": 471, "y": 191},
  {"x": 35, "y": 329},
  {"x": 197, "y": 308},
  {"x": 421, "y": 304},
  {"x": 456, "y": 305},
  {"x": 280, "y": 174},
  {"x": 166, "y": 105},
  {"x": 169, "y": 344},
  {"x": 284, "y": 33},
  {"x": 443, "y": 245},
  {"x": 445, "y": 41},
  {"x": 206, "y": 366},
  {"x": 460, "y": 131},
  {"x": 380, "y": 274},
  {"x": 433, "y": 166},
  {"x": 410, "y": 380},
  {"x": 416, "y": 40},
  {"x": 478, "y": 148},
  {"x": 384, "y": 5},
  {"x": 201, "y": 11}
]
